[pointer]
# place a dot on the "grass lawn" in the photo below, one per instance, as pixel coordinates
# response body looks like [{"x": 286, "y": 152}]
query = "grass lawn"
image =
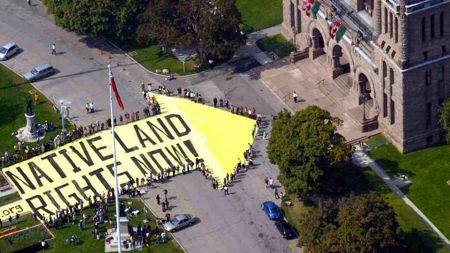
[
  {"x": 429, "y": 171},
  {"x": 277, "y": 44},
  {"x": 25, "y": 221},
  {"x": 91, "y": 245},
  {"x": 24, "y": 239},
  {"x": 152, "y": 58},
  {"x": 292, "y": 213},
  {"x": 9, "y": 198},
  {"x": 14, "y": 91},
  {"x": 418, "y": 237},
  {"x": 260, "y": 14}
]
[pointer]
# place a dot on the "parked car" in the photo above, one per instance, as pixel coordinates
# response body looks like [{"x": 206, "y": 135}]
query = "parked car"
[
  {"x": 178, "y": 222},
  {"x": 272, "y": 210},
  {"x": 285, "y": 229},
  {"x": 39, "y": 71},
  {"x": 8, "y": 50}
]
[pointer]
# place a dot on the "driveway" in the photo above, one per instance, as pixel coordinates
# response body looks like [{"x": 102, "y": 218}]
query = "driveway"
[
  {"x": 82, "y": 74},
  {"x": 228, "y": 224}
]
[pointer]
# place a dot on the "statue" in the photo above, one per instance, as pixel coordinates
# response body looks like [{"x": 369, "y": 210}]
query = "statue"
[{"x": 30, "y": 109}]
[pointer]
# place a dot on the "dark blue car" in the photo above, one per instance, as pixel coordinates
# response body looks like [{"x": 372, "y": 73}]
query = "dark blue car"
[{"x": 272, "y": 210}]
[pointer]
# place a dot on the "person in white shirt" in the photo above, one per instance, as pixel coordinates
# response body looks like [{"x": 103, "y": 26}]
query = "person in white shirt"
[{"x": 295, "y": 96}]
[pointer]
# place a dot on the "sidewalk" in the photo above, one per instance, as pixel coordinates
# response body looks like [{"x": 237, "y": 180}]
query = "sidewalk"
[{"x": 362, "y": 159}]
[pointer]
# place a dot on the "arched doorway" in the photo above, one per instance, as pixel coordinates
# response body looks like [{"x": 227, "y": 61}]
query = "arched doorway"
[
  {"x": 364, "y": 86},
  {"x": 339, "y": 63},
  {"x": 365, "y": 95},
  {"x": 318, "y": 44}
]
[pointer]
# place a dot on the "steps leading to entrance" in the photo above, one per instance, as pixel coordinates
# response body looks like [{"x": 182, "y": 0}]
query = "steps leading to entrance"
[{"x": 344, "y": 82}]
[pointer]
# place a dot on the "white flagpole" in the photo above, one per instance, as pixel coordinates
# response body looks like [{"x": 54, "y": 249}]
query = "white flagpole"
[{"x": 116, "y": 188}]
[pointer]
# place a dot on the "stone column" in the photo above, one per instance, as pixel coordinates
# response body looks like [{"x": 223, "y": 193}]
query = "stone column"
[
  {"x": 376, "y": 18},
  {"x": 28, "y": 130},
  {"x": 403, "y": 35}
]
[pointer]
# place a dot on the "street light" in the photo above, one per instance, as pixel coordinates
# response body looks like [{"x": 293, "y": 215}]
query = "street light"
[
  {"x": 363, "y": 96},
  {"x": 294, "y": 39},
  {"x": 64, "y": 113}
]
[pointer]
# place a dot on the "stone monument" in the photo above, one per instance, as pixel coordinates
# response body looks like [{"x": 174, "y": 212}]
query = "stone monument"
[{"x": 31, "y": 132}]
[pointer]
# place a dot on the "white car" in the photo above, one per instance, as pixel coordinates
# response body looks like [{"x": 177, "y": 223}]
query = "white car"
[
  {"x": 8, "y": 50},
  {"x": 39, "y": 71}
]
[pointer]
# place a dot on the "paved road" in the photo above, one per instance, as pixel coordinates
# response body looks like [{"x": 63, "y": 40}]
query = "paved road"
[
  {"x": 82, "y": 74},
  {"x": 231, "y": 224}
]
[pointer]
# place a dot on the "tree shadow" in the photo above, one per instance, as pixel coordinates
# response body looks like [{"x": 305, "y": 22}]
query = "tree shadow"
[{"x": 419, "y": 241}]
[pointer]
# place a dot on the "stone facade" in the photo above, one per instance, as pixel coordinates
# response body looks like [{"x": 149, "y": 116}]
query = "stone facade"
[{"x": 395, "y": 54}]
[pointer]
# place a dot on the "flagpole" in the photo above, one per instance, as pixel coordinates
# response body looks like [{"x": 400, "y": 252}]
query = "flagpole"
[{"x": 116, "y": 187}]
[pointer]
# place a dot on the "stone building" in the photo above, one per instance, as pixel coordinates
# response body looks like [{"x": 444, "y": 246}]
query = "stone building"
[{"x": 393, "y": 57}]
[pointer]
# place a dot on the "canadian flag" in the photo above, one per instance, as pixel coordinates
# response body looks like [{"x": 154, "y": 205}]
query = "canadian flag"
[
  {"x": 335, "y": 25},
  {"x": 306, "y": 6},
  {"x": 116, "y": 92}
]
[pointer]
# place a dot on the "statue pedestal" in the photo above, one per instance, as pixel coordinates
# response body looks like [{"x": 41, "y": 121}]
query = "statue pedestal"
[{"x": 29, "y": 133}]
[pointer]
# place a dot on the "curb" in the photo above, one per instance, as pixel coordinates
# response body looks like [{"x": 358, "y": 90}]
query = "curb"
[
  {"x": 39, "y": 90},
  {"x": 142, "y": 66},
  {"x": 173, "y": 236}
]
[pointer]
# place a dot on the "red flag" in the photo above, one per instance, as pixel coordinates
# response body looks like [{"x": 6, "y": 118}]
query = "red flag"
[
  {"x": 306, "y": 6},
  {"x": 116, "y": 92}
]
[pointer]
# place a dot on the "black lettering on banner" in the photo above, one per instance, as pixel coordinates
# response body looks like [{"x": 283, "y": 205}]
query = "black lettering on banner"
[
  {"x": 61, "y": 195},
  {"x": 69, "y": 159},
  {"x": 15, "y": 179},
  {"x": 51, "y": 159},
  {"x": 19, "y": 209},
  {"x": 141, "y": 139},
  {"x": 184, "y": 131},
  {"x": 100, "y": 177},
  {"x": 177, "y": 152},
  {"x": 191, "y": 147},
  {"x": 38, "y": 173},
  {"x": 123, "y": 145},
  {"x": 75, "y": 196},
  {"x": 159, "y": 151},
  {"x": 164, "y": 130},
  {"x": 87, "y": 157},
  {"x": 88, "y": 187},
  {"x": 97, "y": 149},
  {"x": 52, "y": 199},
  {"x": 42, "y": 205},
  {"x": 144, "y": 165},
  {"x": 110, "y": 167}
]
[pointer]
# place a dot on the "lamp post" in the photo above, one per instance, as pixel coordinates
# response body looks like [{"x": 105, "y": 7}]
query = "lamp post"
[
  {"x": 363, "y": 95},
  {"x": 294, "y": 39},
  {"x": 63, "y": 112}
]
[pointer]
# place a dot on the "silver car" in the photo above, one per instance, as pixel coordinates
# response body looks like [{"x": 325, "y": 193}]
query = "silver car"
[
  {"x": 39, "y": 71},
  {"x": 178, "y": 222},
  {"x": 8, "y": 50}
]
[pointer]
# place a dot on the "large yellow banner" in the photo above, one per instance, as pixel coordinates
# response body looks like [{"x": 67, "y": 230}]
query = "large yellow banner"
[{"x": 185, "y": 130}]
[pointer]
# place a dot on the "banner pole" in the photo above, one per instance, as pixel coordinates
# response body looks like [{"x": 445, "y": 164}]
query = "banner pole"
[{"x": 116, "y": 187}]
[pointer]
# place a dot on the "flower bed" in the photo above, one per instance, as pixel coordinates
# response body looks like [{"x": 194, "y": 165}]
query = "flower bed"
[
  {"x": 9, "y": 231},
  {"x": 24, "y": 239}
]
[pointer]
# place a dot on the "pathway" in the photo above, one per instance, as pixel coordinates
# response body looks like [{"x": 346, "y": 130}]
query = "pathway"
[{"x": 362, "y": 159}]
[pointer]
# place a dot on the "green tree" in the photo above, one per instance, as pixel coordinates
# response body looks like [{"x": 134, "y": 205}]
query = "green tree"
[
  {"x": 115, "y": 19},
  {"x": 209, "y": 26},
  {"x": 305, "y": 146},
  {"x": 366, "y": 224},
  {"x": 318, "y": 228},
  {"x": 444, "y": 115},
  {"x": 362, "y": 223}
]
